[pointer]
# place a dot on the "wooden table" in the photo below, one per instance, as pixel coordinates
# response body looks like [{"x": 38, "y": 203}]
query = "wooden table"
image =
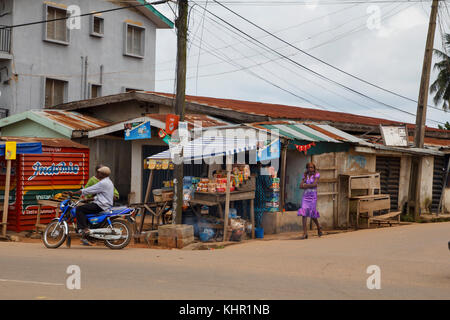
[
  {"x": 156, "y": 209},
  {"x": 46, "y": 203},
  {"x": 217, "y": 199}
]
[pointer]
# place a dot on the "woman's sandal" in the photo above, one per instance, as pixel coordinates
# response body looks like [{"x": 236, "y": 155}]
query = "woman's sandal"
[
  {"x": 304, "y": 237},
  {"x": 319, "y": 232}
]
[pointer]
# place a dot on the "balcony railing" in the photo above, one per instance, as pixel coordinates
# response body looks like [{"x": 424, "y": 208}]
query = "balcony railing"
[{"x": 5, "y": 40}]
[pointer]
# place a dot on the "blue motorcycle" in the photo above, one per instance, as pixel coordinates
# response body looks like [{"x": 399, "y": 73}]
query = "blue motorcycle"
[{"x": 111, "y": 227}]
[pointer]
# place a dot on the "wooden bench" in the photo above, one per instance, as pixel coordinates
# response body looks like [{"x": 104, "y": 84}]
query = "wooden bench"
[{"x": 365, "y": 205}]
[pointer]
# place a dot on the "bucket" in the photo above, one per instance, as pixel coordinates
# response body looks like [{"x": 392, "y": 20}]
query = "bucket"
[
  {"x": 259, "y": 233},
  {"x": 205, "y": 236},
  {"x": 157, "y": 195}
]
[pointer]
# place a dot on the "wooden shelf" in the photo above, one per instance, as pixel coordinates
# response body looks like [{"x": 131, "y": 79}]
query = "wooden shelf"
[
  {"x": 327, "y": 193},
  {"x": 333, "y": 180}
]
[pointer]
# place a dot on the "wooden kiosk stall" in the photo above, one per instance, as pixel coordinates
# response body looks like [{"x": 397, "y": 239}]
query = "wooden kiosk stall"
[{"x": 206, "y": 148}]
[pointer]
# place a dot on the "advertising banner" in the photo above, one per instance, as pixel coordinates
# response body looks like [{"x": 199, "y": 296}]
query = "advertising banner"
[{"x": 137, "y": 130}]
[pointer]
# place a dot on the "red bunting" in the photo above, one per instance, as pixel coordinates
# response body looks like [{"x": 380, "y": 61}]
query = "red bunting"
[{"x": 305, "y": 148}]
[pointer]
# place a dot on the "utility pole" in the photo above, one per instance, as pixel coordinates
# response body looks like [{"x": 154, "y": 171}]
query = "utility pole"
[
  {"x": 181, "y": 26},
  {"x": 419, "y": 132}
]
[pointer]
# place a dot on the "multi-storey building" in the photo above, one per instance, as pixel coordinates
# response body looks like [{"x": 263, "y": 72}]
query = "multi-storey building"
[{"x": 43, "y": 64}]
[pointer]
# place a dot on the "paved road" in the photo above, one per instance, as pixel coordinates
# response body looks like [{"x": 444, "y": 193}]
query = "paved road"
[{"x": 414, "y": 262}]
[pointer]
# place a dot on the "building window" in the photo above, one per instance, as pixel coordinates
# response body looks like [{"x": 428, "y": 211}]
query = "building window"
[
  {"x": 56, "y": 31},
  {"x": 134, "y": 41},
  {"x": 3, "y": 6},
  {"x": 97, "y": 26},
  {"x": 55, "y": 92},
  {"x": 95, "y": 90}
]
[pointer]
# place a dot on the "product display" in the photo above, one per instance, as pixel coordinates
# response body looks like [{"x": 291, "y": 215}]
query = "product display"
[{"x": 273, "y": 204}]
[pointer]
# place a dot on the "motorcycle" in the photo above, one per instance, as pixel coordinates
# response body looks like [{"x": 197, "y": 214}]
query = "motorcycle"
[{"x": 111, "y": 227}]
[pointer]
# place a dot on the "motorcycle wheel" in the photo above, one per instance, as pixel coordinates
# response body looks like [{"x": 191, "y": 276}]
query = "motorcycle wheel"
[
  {"x": 125, "y": 235},
  {"x": 54, "y": 235}
]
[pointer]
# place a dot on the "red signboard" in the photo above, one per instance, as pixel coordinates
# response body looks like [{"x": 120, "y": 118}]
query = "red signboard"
[
  {"x": 171, "y": 123},
  {"x": 40, "y": 177}
]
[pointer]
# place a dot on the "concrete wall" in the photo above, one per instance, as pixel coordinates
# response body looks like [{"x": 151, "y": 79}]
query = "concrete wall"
[
  {"x": 116, "y": 154},
  {"x": 35, "y": 59},
  {"x": 405, "y": 175},
  {"x": 295, "y": 167},
  {"x": 446, "y": 201},
  {"x": 426, "y": 187}
]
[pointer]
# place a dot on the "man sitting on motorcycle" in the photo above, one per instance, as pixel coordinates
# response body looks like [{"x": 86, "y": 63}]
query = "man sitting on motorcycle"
[{"x": 103, "y": 200}]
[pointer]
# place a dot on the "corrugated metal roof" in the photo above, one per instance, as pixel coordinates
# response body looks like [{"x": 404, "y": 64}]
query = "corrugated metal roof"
[
  {"x": 278, "y": 111},
  {"x": 159, "y": 120},
  {"x": 48, "y": 142},
  {"x": 71, "y": 120},
  {"x": 308, "y": 131}
]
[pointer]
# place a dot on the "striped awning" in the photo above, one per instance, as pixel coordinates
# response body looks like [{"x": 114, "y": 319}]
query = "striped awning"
[
  {"x": 307, "y": 131},
  {"x": 209, "y": 147}
]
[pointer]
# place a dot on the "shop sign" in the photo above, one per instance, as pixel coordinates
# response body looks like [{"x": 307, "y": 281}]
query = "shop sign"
[{"x": 137, "y": 130}]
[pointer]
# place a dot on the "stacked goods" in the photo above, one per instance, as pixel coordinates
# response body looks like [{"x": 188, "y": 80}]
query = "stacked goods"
[{"x": 274, "y": 198}]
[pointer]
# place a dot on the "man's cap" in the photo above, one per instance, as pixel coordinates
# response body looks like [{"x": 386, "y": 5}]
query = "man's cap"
[{"x": 105, "y": 170}]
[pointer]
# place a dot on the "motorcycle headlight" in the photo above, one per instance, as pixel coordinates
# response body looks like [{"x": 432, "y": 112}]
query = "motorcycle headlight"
[{"x": 63, "y": 204}]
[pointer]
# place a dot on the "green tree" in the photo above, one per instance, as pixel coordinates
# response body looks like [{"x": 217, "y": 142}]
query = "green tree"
[
  {"x": 446, "y": 126},
  {"x": 441, "y": 86}
]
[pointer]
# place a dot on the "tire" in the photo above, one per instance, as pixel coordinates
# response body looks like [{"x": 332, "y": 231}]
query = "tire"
[
  {"x": 126, "y": 231},
  {"x": 53, "y": 230}
]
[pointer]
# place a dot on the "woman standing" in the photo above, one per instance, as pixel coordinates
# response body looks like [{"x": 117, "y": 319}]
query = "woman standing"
[{"x": 309, "y": 202}]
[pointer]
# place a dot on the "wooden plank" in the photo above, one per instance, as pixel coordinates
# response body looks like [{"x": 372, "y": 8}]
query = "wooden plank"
[
  {"x": 386, "y": 216},
  {"x": 49, "y": 203},
  {"x": 204, "y": 202},
  {"x": 334, "y": 180},
  {"x": 364, "y": 183},
  {"x": 252, "y": 216},
  {"x": 227, "y": 201},
  {"x": 327, "y": 193},
  {"x": 374, "y": 205},
  {"x": 370, "y": 196},
  {"x": 6, "y": 197}
]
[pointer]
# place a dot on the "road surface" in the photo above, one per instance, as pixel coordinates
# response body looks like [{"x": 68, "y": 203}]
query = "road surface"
[{"x": 414, "y": 262}]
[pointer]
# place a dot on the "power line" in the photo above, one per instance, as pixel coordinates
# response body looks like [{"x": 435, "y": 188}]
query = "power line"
[
  {"x": 320, "y": 60},
  {"x": 289, "y": 70},
  {"x": 312, "y": 71}
]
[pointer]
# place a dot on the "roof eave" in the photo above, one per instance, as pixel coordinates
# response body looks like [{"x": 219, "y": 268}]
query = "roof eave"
[{"x": 161, "y": 21}]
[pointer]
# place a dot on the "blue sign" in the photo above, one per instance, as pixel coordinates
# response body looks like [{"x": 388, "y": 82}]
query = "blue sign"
[
  {"x": 138, "y": 130},
  {"x": 270, "y": 151}
]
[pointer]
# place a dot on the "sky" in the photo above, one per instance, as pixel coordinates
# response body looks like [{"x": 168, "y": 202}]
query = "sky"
[{"x": 381, "y": 43}]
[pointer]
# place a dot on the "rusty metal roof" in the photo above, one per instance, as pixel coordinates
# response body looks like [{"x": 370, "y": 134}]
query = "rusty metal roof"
[
  {"x": 63, "y": 122},
  {"x": 48, "y": 142},
  {"x": 308, "y": 131},
  {"x": 72, "y": 120},
  {"x": 159, "y": 120}
]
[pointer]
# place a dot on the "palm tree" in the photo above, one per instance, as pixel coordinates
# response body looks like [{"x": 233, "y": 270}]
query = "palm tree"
[{"x": 441, "y": 86}]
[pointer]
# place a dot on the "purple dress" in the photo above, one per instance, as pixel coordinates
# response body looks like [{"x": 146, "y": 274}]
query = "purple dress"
[{"x": 309, "y": 200}]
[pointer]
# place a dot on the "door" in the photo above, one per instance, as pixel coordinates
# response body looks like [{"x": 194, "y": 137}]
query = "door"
[{"x": 440, "y": 167}]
